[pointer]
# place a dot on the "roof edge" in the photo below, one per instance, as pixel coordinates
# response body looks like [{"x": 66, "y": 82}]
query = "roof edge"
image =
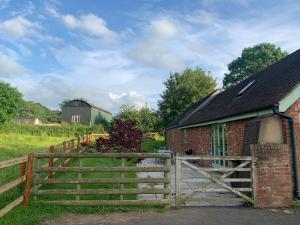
[{"x": 245, "y": 115}]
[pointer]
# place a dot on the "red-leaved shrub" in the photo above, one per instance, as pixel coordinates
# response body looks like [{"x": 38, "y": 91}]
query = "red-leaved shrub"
[{"x": 123, "y": 137}]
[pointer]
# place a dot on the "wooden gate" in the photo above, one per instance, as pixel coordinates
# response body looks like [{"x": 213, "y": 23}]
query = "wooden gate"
[
  {"x": 114, "y": 184},
  {"x": 235, "y": 177}
]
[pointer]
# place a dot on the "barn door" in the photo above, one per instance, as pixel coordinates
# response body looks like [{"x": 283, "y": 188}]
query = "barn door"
[{"x": 218, "y": 143}]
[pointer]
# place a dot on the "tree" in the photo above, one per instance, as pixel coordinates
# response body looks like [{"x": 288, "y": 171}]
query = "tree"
[
  {"x": 252, "y": 60},
  {"x": 146, "y": 119},
  {"x": 36, "y": 110},
  {"x": 182, "y": 90},
  {"x": 10, "y": 102}
]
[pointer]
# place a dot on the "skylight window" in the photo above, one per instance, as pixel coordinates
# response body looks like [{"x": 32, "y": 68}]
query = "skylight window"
[{"x": 245, "y": 88}]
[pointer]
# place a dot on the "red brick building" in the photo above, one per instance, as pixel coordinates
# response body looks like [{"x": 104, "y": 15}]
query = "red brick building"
[{"x": 262, "y": 109}]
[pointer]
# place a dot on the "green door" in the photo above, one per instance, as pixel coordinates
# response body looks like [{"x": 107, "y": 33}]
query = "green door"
[{"x": 218, "y": 143}]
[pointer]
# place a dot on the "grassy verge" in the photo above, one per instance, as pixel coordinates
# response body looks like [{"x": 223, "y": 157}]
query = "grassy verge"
[{"x": 13, "y": 146}]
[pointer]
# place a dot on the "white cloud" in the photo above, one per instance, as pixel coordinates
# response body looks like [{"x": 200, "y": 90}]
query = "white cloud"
[
  {"x": 91, "y": 25},
  {"x": 17, "y": 27},
  {"x": 155, "y": 49},
  {"x": 131, "y": 98},
  {"x": 10, "y": 68}
]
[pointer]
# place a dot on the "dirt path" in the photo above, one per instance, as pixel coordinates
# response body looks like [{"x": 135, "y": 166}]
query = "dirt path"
[{"x": 189, "y": 216}]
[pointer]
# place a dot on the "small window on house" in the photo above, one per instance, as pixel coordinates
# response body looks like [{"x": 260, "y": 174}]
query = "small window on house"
[
  {"x": 185, "y": 136},
  {"x": 245, "y": 88},
  {"x": 75, "y": 119}
]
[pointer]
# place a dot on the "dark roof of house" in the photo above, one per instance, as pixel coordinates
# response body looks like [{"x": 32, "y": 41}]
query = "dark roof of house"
[
  {"x": 87, "y": 103},
  {"x": 189, "y": 110},
  {"x": 271, "y": 85}
]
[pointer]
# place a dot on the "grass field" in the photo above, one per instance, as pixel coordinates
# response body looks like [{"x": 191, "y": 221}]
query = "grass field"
[{"x": 16, "y": 145}]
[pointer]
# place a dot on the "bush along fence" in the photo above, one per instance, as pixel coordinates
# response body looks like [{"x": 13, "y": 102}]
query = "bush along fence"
[{"x": 26, "y": 163}]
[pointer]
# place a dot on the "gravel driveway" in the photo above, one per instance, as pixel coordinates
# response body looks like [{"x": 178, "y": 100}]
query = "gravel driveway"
[{"x": 189, "y": 216}]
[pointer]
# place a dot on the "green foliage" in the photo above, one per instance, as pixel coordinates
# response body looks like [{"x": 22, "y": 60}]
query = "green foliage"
[
  {"x": 54, "y": 131},
  {"x": 146, "y": 118},
  {"x": 152, "y": 145},
  {"x": 252, "y": 60},
  {"x": 10, "y": 102},
  {"x": 182, "y": 90},
  {"x": 36, "y": 110}
]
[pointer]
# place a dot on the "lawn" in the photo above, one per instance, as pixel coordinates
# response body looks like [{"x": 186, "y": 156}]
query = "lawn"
[{"x": 16, "y": 145}]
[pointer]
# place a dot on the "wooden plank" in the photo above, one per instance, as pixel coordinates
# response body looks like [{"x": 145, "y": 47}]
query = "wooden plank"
[
  {"x": 100, "y": 180},
  {"x": 178, "y": 182},
  {"x": 78, "y": 186},
  {"x": 12, "y": 184},
  {"x": 204, "y": 173},
  {"x": 103, "y": 169},
  {"x": 210, "y": 190},
  {"x": 22, "y": 171},
  {"x": 216, "y": 199},
  {"x": 10, "y": 206},
  {"x": 100, "y": 191},
  {"x": 106, "y": 202},
  {"x": 28, "y": 180},
  {"x": 103, "y": 155},
  {"x": 51, "y": 161},
  {"x": 207, "y": 180},
  {"x": 122, "y": 176},
  {"x": 11, "y": 162},
  {"x": 167, "y": 186},
  {"x": 209, "y": 157}
]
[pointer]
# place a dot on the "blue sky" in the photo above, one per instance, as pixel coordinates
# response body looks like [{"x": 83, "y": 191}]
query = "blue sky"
[{"x": 120, "y": 51}]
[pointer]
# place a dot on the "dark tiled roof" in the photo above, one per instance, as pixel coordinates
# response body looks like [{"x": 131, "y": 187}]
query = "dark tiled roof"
[
  {"x": 271, "y": 85},
  {"x": 188, "y": 111},
  {"x": 91, "y": 105}
]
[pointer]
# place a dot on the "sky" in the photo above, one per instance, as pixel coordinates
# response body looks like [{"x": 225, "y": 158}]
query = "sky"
[{"x": 120, "y": 51}]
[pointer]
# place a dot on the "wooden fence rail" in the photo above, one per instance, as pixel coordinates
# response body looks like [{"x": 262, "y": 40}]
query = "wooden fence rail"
[
  {"x": 119, "y": 187},
  {"x": 69, "y": 146},
  {"x": 12, "y": 184}
]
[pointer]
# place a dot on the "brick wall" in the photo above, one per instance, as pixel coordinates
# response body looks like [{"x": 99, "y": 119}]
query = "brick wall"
[
  {"x": 199, "y": 139},
  {"x": 235, "y": 137},
  {"x": 293, "y": 111},
  {"x": 272, "y": 174}
]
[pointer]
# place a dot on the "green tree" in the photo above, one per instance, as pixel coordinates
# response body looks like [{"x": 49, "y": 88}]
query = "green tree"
[
  {"x": 36, "y": 110},
  {"x": 146, "y": 118},
  {"x": 182, "y": 90},
  {"x": 252, "y": 60},
  {"x": 10, "y": 102}
]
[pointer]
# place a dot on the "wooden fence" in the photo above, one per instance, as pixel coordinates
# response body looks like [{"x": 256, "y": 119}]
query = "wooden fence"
[
  {"x": 70, "y": 146},
  {"x": 12, "y": 184},
  {"x": 120, "y": 181}
]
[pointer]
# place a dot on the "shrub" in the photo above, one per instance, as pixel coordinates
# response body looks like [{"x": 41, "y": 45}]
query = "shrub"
[{"x": 123, "y": 137}]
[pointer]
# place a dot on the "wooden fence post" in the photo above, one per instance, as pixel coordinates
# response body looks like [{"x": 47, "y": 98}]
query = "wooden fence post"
[
  {"x": 72, "y": 148},
  {"x": 122, "y": 176},
  {"x": 22, "y": 171},
  {"x": 168, "y": 185},
  {"x": 26, "y": 195},
  {"x": 51, "y": 160},
  {"x": 78, "y": 144},
  {"x": 64, "y": 151},
  {"x": 178, "y": 181}
]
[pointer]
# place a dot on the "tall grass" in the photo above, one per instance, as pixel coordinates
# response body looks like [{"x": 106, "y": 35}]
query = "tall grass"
[{"x": 52, "y": 131}]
